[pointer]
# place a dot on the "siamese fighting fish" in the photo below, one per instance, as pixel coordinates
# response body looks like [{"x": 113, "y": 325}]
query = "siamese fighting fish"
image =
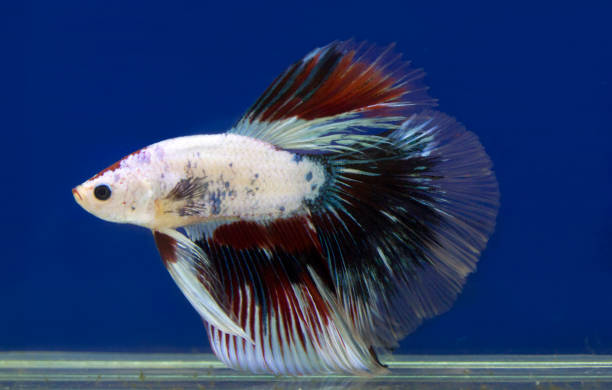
[{"x": 334, "y": 217}]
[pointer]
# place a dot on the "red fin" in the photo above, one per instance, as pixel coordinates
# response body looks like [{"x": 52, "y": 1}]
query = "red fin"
[
  {"x": 289, "y": 234},
  {"x": 166, "y": 246},
  {"x": 275, "y": 299},
  {"x": 279, "y": 290},
  {"x": 339, "y": 78}
]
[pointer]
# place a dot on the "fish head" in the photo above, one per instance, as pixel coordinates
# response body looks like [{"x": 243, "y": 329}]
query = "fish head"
[{"x": 120, "y": 193}]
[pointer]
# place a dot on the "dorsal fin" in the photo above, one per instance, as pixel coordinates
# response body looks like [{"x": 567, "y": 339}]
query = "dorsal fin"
[
  {"x": 335, "y": 79},
  {"x": 334, "y": 91}
]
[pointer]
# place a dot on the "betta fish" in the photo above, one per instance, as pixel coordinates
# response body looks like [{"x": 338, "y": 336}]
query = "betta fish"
[{"x": 336, "y": 215}]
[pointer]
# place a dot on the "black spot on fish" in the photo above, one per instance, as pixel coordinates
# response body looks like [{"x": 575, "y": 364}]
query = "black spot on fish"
[
  {"x": 231, "y": 165},
  {"x": 313, "y": 187},
  {"x": 215, "y": 202},
  {"x": 254, "y": 179},
  {"x": 227, "y": 184},
  {"x": 133, "y": 208},
  {"x": 281, "y": 209},
  {"x": 308, "y": 176},
  {"x": 297, "y": 158}
]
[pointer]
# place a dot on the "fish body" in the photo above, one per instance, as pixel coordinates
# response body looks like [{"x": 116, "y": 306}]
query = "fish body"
[
  {"x": 328, "y": 223},
  {"x": 220, "y": 176}
]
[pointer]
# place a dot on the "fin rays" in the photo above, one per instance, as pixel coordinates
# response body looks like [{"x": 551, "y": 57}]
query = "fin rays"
[
  {"x": 285, "y": 306},
  {"x": 434, "y": 183},
  {"x": 322, "y": 101},
  {"x": 409, "y": 202}
]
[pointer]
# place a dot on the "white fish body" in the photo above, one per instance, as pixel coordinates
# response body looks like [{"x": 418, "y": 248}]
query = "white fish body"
[
  {"x": 234, "y": 177},
  {"x": 336, "y": 216}
]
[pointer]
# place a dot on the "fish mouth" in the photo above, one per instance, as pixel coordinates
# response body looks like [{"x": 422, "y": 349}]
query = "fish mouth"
[{"x": 76, "y": 195}]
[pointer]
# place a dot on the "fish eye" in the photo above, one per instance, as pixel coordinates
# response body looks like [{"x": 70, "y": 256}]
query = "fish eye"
[{"x": 102, "y": 192}]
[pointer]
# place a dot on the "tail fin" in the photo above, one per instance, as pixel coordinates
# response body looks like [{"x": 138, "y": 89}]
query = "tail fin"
[{"x": 403, "y": 223}]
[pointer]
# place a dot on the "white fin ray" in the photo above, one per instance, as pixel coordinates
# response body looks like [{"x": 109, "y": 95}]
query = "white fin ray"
[
  {"x": 189, "y": 263},
  {"x": 338, "y": 134},
  {"x": 296, "y": 325}
]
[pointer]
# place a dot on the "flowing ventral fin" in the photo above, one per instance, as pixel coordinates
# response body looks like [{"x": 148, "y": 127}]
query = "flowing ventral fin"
[
  {"x": 332, "y": 96},
  {"x": 193, "y": 273},
  {"x": 279, "y": 291},
  {"x": 403, "y": 224}
]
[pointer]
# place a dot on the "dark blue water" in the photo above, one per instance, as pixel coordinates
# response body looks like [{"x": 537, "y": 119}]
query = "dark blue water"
[{"x": 94, "y": 81}]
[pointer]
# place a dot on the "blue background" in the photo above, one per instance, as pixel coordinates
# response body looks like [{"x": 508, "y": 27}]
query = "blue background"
[{"x": 90, "y": 82}]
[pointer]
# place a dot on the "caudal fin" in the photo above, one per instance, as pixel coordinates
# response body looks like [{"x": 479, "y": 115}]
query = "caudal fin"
[{"x": 404, "y": 222}]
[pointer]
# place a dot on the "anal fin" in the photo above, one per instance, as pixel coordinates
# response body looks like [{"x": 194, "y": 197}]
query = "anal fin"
[{"x": 279, "y": 290}]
